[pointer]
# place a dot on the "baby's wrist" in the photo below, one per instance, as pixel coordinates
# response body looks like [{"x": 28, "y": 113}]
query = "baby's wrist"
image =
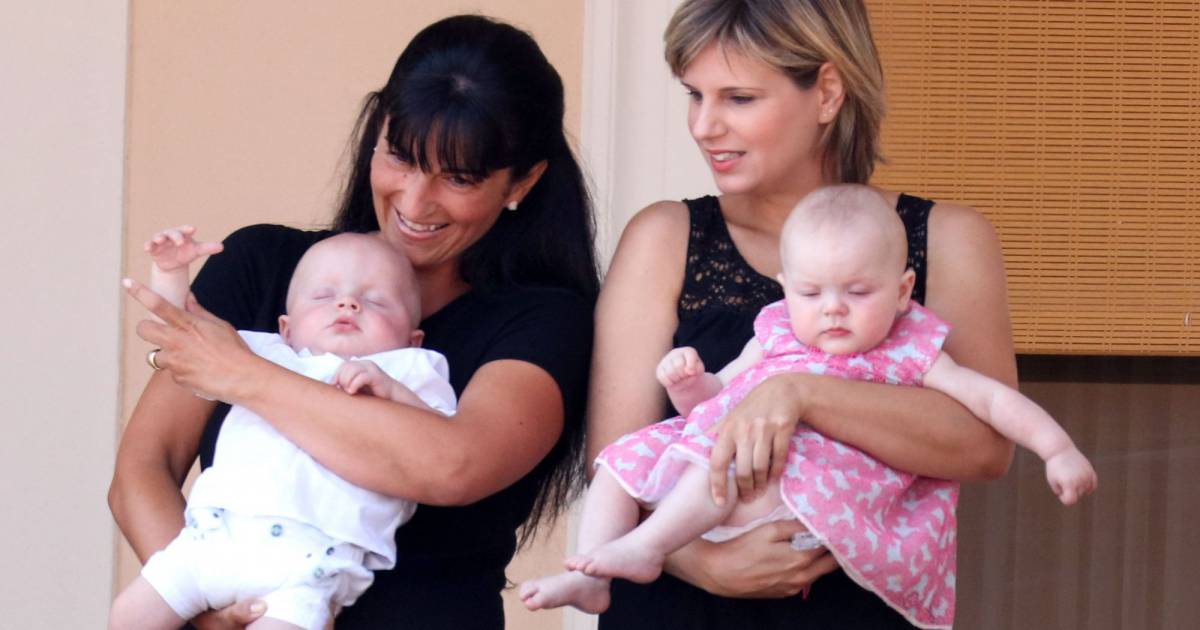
[
  {"x": 172, "y": 272},
  {"x": 681, "y": 385},
  {"x": 1053, "y": 446}
]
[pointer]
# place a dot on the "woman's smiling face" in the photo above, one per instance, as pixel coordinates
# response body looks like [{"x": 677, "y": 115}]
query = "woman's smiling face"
[
  {"x": 755, "y": 127},
  {"x": 434, "y": 216}
]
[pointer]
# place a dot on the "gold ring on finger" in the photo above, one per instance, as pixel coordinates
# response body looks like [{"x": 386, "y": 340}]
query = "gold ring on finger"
[{"x": 152, "y": 358}]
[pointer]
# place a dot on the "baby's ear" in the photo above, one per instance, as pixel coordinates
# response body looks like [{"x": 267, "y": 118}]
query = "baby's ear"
[
  {"x": 283, "y": 327},
  {"x": 415, "y": 338},
  {"x": 907, "y": 280}
]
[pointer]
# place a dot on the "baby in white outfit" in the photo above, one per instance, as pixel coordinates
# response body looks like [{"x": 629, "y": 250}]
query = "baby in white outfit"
[{"x": 266, "y": 520}]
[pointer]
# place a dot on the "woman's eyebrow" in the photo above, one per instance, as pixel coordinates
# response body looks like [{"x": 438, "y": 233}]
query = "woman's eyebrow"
[{"x": 726, "y": 89}]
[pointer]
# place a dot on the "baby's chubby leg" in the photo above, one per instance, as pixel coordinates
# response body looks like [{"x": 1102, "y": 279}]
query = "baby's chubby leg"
[
  {"x": 686, "y": 513},
  {"x": 140, "y": 606},
  {"x": 747, "y": 512}
]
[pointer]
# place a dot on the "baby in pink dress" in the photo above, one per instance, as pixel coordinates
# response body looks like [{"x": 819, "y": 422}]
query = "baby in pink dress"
[{"x": 846, "y": 312}]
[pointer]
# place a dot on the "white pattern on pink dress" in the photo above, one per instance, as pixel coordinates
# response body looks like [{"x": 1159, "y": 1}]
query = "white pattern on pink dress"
[{"x": 891, "y": 531}]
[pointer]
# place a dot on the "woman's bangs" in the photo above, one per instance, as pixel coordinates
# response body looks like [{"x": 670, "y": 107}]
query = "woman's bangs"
[{"x": 459, "y": 138}]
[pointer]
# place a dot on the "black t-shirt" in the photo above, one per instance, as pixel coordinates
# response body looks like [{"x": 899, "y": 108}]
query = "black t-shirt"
[{"x": 450, "y": 560}]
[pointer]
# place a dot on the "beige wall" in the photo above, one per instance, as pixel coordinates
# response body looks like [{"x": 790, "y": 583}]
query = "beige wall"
[
  {"x": 61, "y": 128},
  {"x": 240, "y": 112}
]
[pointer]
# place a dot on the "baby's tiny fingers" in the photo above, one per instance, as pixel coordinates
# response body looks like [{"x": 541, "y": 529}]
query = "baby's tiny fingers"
[
  {"x": 208, "y": 249},
  {"x": 345, "y": 372}
]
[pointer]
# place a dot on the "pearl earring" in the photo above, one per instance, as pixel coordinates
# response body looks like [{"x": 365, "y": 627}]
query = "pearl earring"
[{"x": 512, "y": 206}]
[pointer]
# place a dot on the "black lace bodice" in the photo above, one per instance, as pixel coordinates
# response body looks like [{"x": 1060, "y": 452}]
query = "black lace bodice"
[{"x": 721, "y": 296}]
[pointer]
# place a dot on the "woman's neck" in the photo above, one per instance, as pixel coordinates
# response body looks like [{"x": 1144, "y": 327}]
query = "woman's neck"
[
  {"x": 759, "y": 212},
  {"x": 439, "y": 287},
  {"x": 765, "y": 210}
]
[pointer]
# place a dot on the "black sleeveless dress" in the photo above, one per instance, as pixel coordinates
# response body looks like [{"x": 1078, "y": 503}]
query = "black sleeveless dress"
[{"x": 721, "y": 296}]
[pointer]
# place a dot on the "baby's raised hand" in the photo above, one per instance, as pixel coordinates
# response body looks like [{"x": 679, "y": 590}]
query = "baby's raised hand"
[
  {"x": 1071, "y": 475},
  {"x": 679, "y": 366},
  {"x": 175, "y": 248}
]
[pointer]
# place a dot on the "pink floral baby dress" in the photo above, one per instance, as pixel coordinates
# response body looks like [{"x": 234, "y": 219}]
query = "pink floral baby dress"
[{"x": 891, "y": 531}]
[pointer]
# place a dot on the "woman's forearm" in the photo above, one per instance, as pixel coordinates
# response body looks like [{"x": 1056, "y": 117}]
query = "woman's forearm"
[
  {"x": 157, "y": 450},
  {"x": 909, "y": 428},
  {"x": 508, "y": 419},
  {"x": 374, "y": 443},
  {"x": 148, "y": 509}
]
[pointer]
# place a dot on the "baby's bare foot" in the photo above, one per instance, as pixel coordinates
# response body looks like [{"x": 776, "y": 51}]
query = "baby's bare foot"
[
  {"x": 571, "y": 588},
  {"x": 621, "y": 558}
]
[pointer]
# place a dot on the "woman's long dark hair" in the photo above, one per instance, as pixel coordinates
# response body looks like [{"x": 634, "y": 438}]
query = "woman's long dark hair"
[{"x": 478, "y": 96}]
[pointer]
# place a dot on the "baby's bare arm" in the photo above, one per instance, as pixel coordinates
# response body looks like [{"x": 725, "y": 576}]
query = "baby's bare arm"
[
  {"x": 682, "y": 374},
  {"x": 173, "y": 250},
  {"x": 1019, "y": 419}
]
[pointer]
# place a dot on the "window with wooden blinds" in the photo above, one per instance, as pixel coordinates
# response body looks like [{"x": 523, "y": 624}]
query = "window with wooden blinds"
[{"x": 1075, "y": 127}]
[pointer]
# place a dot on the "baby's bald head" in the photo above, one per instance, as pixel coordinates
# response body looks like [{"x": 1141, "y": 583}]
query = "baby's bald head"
[
  {"x": 354, "y": 253},
  {"x": 842, "y": 211}
]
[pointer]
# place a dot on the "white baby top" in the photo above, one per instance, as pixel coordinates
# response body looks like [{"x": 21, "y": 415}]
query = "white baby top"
[{"x": 258, "y": 472}]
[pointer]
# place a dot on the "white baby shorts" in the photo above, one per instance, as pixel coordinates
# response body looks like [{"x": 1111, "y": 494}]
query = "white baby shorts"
[{"x": 220, "y": 558}]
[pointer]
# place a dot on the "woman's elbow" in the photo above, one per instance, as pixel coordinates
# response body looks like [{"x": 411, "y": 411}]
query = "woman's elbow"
[
  {"x": 994, "y": 459},
  {"x": 116, "y": 498},
  {"x": 448, "y": 483}
]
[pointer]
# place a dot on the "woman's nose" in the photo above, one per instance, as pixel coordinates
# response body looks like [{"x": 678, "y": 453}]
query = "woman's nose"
[
  {"x": 416, "y": 193},
  {"x": 706, "y": 122}
]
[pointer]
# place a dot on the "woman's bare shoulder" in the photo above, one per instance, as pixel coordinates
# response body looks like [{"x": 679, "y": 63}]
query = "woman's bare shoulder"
[
  {"x": 960, "y": 220},
  {"x": 655, "y": 238},
  {"x": 661, "y": 219}
]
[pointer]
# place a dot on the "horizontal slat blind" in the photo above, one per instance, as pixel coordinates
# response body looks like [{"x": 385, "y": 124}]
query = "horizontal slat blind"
[{"x": 1075, "y": 126}]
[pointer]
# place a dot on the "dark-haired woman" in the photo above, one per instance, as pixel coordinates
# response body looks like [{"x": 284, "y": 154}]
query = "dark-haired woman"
[{"x": 462, "y": 164}]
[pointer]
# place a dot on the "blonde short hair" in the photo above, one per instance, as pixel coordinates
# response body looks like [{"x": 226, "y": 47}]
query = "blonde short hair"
[{"x": 797, "y": 37}]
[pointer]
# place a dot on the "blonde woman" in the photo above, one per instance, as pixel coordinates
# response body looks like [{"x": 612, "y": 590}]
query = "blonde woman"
[{"x": 786, "y": 96}]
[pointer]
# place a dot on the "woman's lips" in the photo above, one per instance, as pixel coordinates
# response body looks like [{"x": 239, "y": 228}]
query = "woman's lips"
[
  {"x": 724, "y": 161},
  {"x": 417, "y": 230}
]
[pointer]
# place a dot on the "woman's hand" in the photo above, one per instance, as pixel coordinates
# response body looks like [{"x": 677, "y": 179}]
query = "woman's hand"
[
  {"x": 758, "y": 564},
  {"x": 235, "y": 617},
  {"x": 202, "y": 352},
  {"x": 755, "y": 436}
]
